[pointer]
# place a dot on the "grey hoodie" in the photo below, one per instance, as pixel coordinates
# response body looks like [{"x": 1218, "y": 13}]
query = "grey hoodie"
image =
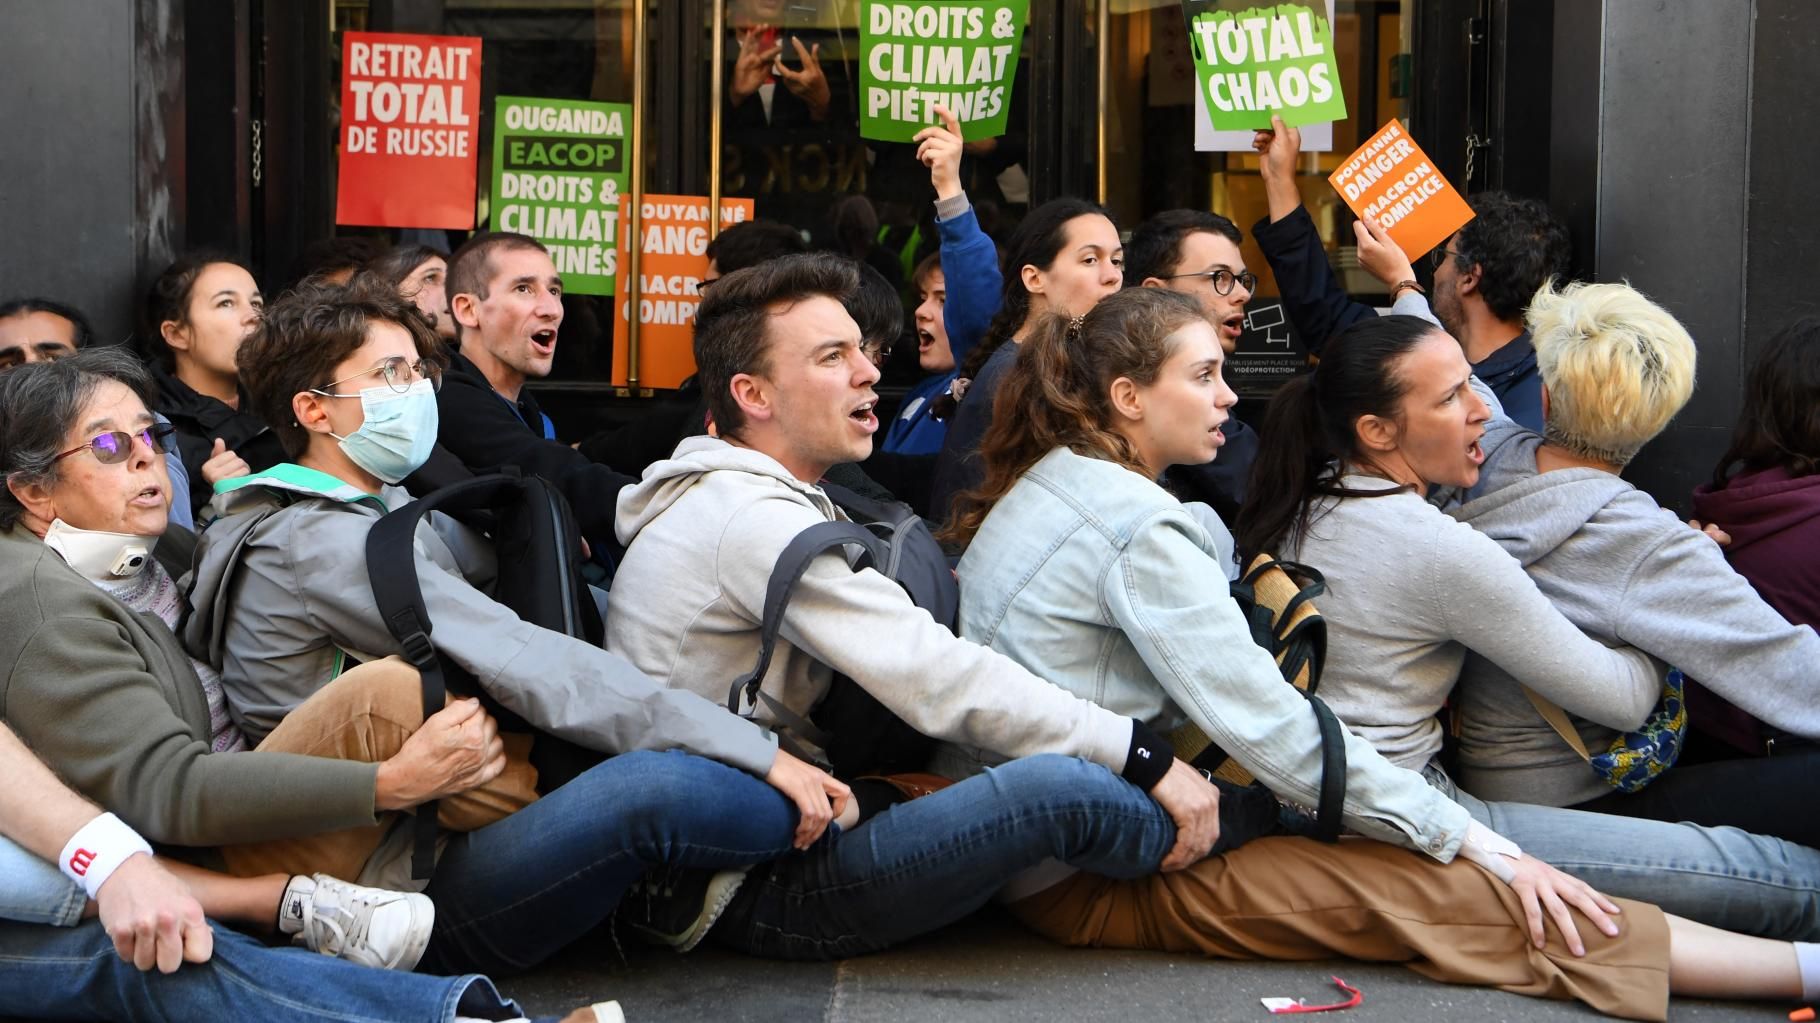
[
  {"x": 1625, "y": 571},
  {"x": 281, "y": 593},
  {"x": 703, "y": 531}
]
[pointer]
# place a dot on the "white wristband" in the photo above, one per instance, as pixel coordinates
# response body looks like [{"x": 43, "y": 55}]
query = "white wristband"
[
  {"x": 97, "y": 850},
  {"x": 1490, "y": 850}
]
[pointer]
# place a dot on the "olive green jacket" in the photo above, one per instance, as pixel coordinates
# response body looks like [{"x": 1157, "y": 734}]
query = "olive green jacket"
[{"x": 108, "y": 698}]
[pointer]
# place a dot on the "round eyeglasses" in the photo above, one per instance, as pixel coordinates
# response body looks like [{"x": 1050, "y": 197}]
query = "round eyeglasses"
[
  {"x": 116, "y": 446},
  {"x": 1223, "y": 280},
  {"x": 398, "y": 372}
]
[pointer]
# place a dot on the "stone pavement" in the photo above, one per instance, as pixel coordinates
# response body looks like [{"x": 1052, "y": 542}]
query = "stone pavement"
[{"x": 988, "y": 969}]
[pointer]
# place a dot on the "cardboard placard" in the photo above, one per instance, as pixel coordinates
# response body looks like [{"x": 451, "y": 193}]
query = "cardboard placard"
[
  {"x": 1390, "y": 180},
  {"x": 914, "y": 55},
  {"x": 1255, "y": 60},
  {"x": 410, "y": 132},
  {"x": 672, "y": 260},
  {"x": 559, "y": 166}
]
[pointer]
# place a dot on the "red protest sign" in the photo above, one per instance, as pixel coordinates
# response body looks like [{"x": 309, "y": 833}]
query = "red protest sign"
[
  {"x": 673, "y": 258},
  {"x": 410, "y": 130},
  {"x": 1390, "y": 180}
]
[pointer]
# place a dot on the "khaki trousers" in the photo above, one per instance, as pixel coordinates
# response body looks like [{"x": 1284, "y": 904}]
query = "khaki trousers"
[
  {"x": 1298, "y": 899},
  {"x": 366, "y": 715}
]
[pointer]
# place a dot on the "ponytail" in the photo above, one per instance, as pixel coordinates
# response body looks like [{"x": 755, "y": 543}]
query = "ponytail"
[
  {"x": 1307, "y": 438},
  {"x": 1292, "y": 464}
]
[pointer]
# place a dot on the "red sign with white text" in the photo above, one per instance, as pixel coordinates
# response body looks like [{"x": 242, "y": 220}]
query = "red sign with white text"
[{"x": 410, "y": 130}]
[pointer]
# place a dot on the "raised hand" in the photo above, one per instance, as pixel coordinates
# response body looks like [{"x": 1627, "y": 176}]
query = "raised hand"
[
  {"x": 809, "y": 84},
  {"x": 939, "y": 149},
  {"x": 752, "y": 68}
]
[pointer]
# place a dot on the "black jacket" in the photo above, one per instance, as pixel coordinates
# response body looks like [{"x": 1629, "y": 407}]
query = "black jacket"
[
  {"x": 484, "y": 431},
  {"x": 200, "y": 420}
]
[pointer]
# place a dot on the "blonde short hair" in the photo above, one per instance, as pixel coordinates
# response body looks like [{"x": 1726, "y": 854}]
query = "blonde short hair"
[{"x": 1617, "y": 367}]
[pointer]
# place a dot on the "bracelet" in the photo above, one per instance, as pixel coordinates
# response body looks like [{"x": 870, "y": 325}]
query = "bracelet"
[
  {"x": 98, "y": 849},
  {"x": 1402, "y": 286}
]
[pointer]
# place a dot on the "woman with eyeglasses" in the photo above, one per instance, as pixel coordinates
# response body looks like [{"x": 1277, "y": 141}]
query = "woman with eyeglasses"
[
  {"x": 196, "y": 315},
  {"x": 96, "y": 682}
]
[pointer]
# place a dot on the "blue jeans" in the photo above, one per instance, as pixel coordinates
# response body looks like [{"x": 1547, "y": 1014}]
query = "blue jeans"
[
  {"x": 34, "y": 891},
  {"x": 74, "y": 973},
  {"x": 516, "y": 892},
  {"x": 1723, "y": 877},
  {"x": 929, "y": 862}
]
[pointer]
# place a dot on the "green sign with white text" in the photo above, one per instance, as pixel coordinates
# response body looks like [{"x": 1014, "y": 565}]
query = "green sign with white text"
[
  {"x": 915, "y": 56},
  {"x": 1255, "y": 60},
  {"x": 558, "y": 168}
]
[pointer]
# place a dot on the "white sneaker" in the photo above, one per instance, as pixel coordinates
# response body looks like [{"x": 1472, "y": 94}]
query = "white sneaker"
[{"x": 369, "y": 926}]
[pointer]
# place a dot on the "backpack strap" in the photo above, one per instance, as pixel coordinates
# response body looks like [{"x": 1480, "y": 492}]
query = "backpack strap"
[
  {"x": 808, "y": 545},
  {"x": 1328, "y": 815},
  {"x": 1559, "y": 721},
  {"x": 398, "y": 596}
]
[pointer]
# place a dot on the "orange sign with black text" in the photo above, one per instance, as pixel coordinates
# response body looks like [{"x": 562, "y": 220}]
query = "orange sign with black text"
[
  {"x": 1390, "y": 180},
  {"x": 410, "y": 130},
  {"x": 672, "y": 260}
]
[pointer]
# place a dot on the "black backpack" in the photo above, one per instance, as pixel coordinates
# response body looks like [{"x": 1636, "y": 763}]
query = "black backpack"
[
  {"x": 540, "y": 562},
  {"x": 857, "y": 734}
]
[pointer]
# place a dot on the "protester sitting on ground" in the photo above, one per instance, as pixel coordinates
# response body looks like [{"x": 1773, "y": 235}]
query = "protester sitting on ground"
[
  {"x": 652, "y": 435},
  {"x": 197, "y": 313},
  {"x": 99, "y": 686},
  {"x": 1765, "y": 493},
  {"x": 1064, "y": 257},
  {"x": 1483, "y": 275},
  {"x": 946, "y": 332},
  {"x": 791, "y": 395},
  {"x": 154, "y": 920},
  {"x": 1615, "y": 369},
  {"x": 1197, "y": 253},
  {"x": 1084, "y": 570},
  {"x": 283, "y": 602},
  {"x": 420, "y": 274},
  {"x": 1347, "y": 454},
  {"x": 44, "y": 330}
]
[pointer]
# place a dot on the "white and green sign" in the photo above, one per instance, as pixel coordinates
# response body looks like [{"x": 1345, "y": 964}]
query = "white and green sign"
[
  {"x": 1254, "y": 60},
  {"x": 558, "y": 168},
  {"x": 917, "y": 56}
]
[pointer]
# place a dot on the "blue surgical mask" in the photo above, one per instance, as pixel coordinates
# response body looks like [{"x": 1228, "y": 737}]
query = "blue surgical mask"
[{"x": 398, "y": 434}]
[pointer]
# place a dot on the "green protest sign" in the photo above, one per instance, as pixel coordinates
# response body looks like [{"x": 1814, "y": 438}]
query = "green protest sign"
[
  {"x": 558, "y": 168},
  {"x": 1256, "y": 60},
  {"x": 960, "y": 55}
]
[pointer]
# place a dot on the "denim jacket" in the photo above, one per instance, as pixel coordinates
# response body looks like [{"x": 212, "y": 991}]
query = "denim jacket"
[{"x": 1097, "y": 579}]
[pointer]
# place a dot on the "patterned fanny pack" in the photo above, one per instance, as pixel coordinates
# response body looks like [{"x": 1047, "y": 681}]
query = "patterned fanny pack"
[{"x": 1634, "y": 759}]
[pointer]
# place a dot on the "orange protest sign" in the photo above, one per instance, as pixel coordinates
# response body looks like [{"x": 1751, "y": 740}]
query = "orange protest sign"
[
  {"x": 410, "y": 130},
  {"x": 673, "y": 257},
  {"x": 1390, "y": 180}
]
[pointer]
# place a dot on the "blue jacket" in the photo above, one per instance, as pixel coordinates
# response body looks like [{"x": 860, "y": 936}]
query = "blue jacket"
[
  {"x": 1320, "y": 308},
  {"x": 974, "y": 286},
  {"x": 1094, "y": 578}
]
